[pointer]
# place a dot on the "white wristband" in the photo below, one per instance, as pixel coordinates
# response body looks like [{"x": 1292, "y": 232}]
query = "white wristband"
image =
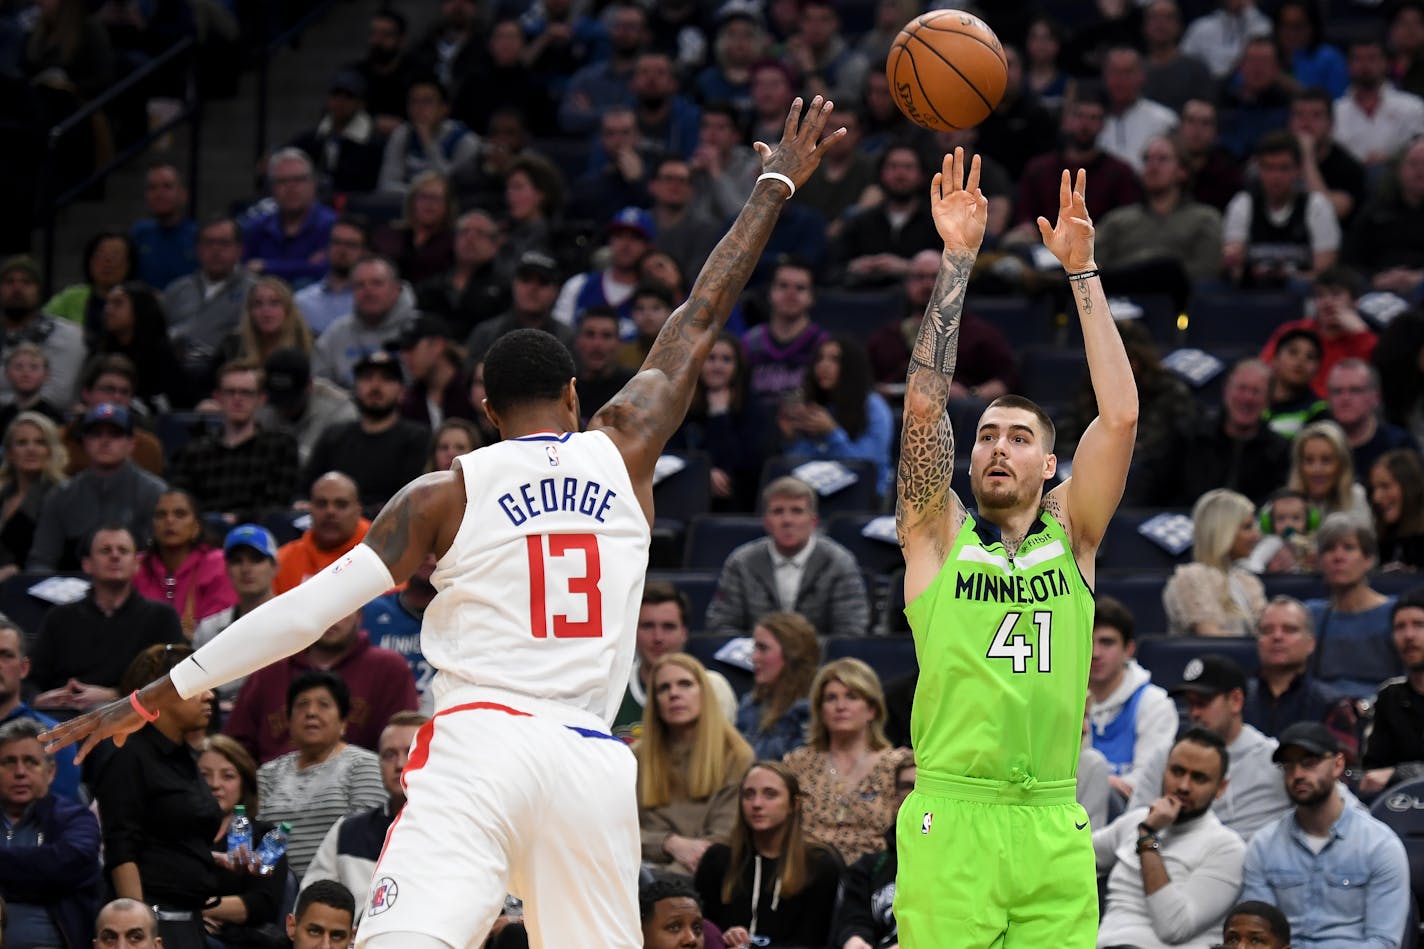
[{"x": 778, "y": 176}]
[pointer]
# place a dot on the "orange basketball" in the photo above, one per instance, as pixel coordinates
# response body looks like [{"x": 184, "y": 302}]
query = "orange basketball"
[{"x": 947, "y": 70}]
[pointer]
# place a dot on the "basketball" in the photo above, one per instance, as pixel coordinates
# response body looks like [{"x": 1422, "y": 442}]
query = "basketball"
[{"x": 947, "y": 70}]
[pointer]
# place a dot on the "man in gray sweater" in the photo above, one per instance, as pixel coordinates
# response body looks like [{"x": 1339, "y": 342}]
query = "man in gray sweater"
[
  {"x": 205, "y": 306},
  {"x": 380, "y": 310}
]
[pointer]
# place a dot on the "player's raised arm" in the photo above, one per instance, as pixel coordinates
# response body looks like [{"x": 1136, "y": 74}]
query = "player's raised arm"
[
  {"x": 643, "y": 416},
  {"x": 927, "y": 514},
  {"x": 421, "y": 518},
  {"x": 1104, "y": 452}
]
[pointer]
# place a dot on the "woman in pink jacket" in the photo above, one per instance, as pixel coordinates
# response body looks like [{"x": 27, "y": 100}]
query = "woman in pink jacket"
[{"x": 179, "y": 568}]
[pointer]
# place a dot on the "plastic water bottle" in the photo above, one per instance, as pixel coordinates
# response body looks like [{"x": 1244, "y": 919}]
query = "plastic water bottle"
[
  {"x": 270, "y": 850},
  {"x": 239, "y": 834}
]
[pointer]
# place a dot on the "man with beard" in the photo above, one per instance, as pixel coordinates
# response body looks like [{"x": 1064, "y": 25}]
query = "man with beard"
[
  {"x": 1175, "y": 869},
  {"x": 333, "y": 296},
  {"x": 875, "y": 247},
  {"x": 666, "y": 119},
  {"x": 1395, "y": 751},
  {"x": 22, "y": 322},
  {"x": 1340, "y": 876},
  {"x": 380, "y": 450},
  {"x": 386, "y": 69},
  {"x": 380, "y": 309},
  {"x": 393, "y": 622},
  {"x": 533, "y": 292},
  {"x": 602, "y": 85}
]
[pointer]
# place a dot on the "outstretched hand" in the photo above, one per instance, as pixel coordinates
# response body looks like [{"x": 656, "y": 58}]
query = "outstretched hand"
[
  {"x": 116, "y": 720},
  {"x": 1070, "y": 239},
  {"x": 801, "y": 147},
  {"x": 959, "y": 208}
]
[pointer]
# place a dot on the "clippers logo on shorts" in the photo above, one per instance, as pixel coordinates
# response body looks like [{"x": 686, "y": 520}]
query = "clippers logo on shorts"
[
  {"x": 926, "y": 821},
  {"x": 383, "y": 896},
  {"x": 553, "y": 452}
]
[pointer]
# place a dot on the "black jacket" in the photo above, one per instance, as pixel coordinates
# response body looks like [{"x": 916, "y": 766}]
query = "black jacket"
[{"x": 865, "y": 907}]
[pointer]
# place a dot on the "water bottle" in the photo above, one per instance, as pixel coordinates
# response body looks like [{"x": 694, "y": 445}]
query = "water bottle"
[
  {"x": 270, "y": 850},
  {"x": 239, "y": 834}
]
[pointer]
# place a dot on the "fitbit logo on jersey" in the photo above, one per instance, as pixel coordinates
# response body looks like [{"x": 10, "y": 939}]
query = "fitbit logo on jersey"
[
  {"x": 1012, "y": 589},
  {"x": 556, "y": 494}
]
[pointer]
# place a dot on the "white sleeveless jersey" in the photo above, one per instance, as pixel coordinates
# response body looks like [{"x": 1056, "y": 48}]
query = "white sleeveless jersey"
[{"x": 539, "y": 593}]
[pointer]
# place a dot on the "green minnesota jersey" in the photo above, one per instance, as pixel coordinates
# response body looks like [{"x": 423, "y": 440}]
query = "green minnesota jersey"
[{"x": 1004, "y": 646}]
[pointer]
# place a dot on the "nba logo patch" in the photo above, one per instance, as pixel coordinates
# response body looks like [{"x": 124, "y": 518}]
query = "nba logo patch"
[
  {"x": 553, "y": 452},
  {"x": 926, "y": 821},
  {"x": 383, "y": 896},
  {"x": 340, "y": 565}
]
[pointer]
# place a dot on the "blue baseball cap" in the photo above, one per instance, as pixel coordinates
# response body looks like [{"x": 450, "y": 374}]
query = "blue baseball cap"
[
  {"x": 255, "y": 536},
  {"x": 635, "y": 220},
  {"x": 107, "y": 413}
]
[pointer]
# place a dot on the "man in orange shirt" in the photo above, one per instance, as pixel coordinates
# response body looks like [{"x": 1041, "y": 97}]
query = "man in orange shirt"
[{"x": 336, "y": 527}]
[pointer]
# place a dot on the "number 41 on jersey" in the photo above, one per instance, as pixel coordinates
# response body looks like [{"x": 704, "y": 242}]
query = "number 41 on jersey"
[{"x": 1009, "y": 644}]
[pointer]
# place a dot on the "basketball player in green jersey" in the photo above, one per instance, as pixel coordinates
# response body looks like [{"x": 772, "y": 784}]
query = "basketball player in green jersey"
[{"x": 993, "y": 849}]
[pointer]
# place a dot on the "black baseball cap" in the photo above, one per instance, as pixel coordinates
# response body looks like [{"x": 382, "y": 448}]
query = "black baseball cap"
[
  {"x": 379, "y": 359},
  {"x": 287, "y": 373},
  {"x": 537, "y": 262},
  {"x": 1311, "y": 736},
  {"x": 424, "y": 326},
  {"x": 1211, "y": 674}
]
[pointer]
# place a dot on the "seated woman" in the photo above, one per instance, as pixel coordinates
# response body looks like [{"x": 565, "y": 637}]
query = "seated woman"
[
  {"x": 33, "y": 463},
  {"x": 454, "y": 437},
  {"x": 325, "y": 778},
  {"x": 773, "y": 715},
  {"x": 1323, "y": 469},
  {"x": 688, "y": 766},
  {"x": 248, "y": 904},
  {"x": 134, "y": 325},
  {"x": 838, "y": 414},
  {"x": 179, "y": 568},
  {"x": 1397, "y": 497},
  {"x": 1212, "y": 595},
  {"x": 773, "y": 885},
  {"x": 270, "y": 321},
  {"x": 724, "y": 423},
  {"x": 847, "y": 767},
  {"x": 422, "y": 243}
]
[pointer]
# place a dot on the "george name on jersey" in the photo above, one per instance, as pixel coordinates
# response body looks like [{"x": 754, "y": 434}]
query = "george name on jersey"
[
  {"x": 1015, "y": 588},
  {"x": 550, "y": 495}
]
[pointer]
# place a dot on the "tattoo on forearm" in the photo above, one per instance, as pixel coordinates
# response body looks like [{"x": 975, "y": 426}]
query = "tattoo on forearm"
[
  {"x": 937, "y": 346},
  {"x": 1085, "y": 297}
]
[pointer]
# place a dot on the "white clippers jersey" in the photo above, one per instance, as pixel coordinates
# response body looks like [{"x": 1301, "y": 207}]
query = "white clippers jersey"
[{"x": 539, "y": 592}]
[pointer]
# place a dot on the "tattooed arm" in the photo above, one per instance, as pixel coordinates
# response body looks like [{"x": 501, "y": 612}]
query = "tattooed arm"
[
  {"x": 927, "y": 514},
  {"x": 642, "y": 416}
]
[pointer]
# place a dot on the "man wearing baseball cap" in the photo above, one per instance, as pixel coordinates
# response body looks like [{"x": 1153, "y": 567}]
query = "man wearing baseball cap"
[
  {"x": 1340, "y": 876},
  {"x": 536, "y": 286},
  {"x": 1213, "y": 688},
  {"x": 630, "y": 235},
  {"x": 250, "y": 552},
  {"x": 300, "y": 404}
]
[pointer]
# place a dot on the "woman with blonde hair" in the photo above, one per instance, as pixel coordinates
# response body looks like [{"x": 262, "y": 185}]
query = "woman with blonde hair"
[
  {"x": 1213, "y": 595},
  {"x": 1323, "y": 469},
  {"x": 33, "y": 464},
  {"x": 847, "y": 766},
  {"x": 422, "y": 243},
  {"x": 270, "y": 321},
  {"x": 785, "y": 654},
  {"x": 688, "y": 766}
]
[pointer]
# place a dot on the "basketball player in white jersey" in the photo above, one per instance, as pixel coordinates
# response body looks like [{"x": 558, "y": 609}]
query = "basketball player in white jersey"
[{"x": 542, "y": 539}]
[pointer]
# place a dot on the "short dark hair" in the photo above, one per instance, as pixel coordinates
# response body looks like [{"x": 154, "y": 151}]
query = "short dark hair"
[
  {"x": 1110, "y": 611},
  {"x": 1274, "y": 918},
  {"x": 656, "y": 289},
  {"x": 664, "y": 886},
  {"x": 724, "y": 108},
  {"x": 327, "y": 893},
  {"x": 1340, "y": 277},
  {"x": 661, "y": 591},
  {"x": 793, "y": 262},
  {"x": 1315, "y": 94},
  {"x": 599, "y": 311},
  {"x": 1278, "y": 142},
  {"x": 1207, "y": 739},
  {"x": 356, "y": 222},
  {"x": 222, "y": 220},
  {"x": 1050, "y": 431},
  {"x": 320, "y": 679},
  {"x": 111, "y": 527},
  {"x": 1411, "y": 599},
  {"x": 105, "y": 364},
  {"x": 526, "y": 366}
]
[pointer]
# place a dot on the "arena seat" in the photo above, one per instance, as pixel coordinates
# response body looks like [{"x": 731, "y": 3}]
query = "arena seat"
[
  {"x": 1166, "y": 657},
  {"x": 176, "y": 429},
  {"x": 890, "y": 656},
  {"x": 697, "y": 585},
  {"x": 862, "y": 496},
  {"x": 1024, "y": 321},
  {"x": 1141, "y": 592},
  {"x": 1402, "y": 809},
  {"x": 711, "y": 537},
  {"x": 1051, "y": 373},
  {"x": 1238, "y": 317},
  {"x": 705, "y": 647},
  {"x": 27, "y": 611},
  {"x": 856, "y": 313},
  {"x": 876, "y": 557},
  {"x": 677, "y": 499},
  {"x": 1302, "y": 586},
  {"x": 1124, "y": 548}
]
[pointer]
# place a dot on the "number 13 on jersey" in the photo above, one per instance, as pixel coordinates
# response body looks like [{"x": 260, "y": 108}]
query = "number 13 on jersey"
[
  {"x": 584, "y": 585},
  {"x": 1008, "y": 644}
]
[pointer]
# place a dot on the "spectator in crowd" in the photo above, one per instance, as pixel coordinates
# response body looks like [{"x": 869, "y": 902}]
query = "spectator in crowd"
[
  {"x": 845, "y": 182},
  {"x": 134, "y": 326},
  {"x": 437, "y": 389},
  {"x": 865, "y": 915},
  {"x": 1342, "y": 332},
  {"x": 1131, "y": 120},
  {"x": 109, "y": 260},
  {"x": 247, "y": 903},
  {"x": 1232, "y": 447},
  {"x": 345, "y": 146},
  {"x": 70, "y": 50},
  {"x": 452, "y": 438},
  {"x": 1322, "y": 840},
  {"x": 653, "y": 303},
  {"x": 377, "y": 684},
  {"x": 1276, "y": 234},
  {"x": 601, "y": 85},
  {"x": 670, "y": 912},
  {"x": 32, "y": 466},
  {"x": 1215, "y": 172},
  {"x": 387, "y": 69},
  {"x": 839, "y": 415},
  {"x": 350, "y": 849},
  {"x": 470, "y": 292},
  {"x": 779, "y": 350},
  {"x": 324, "y": 778},
  {"x": 740, "y": 42},
  {"x": 1406, "y": 43},
  {"x": 158, "y": 816},
  {"x": 1172, "y": 77},
  {"x": 243, "y": 471},
  {"x": 1129, "y": 717},
  {"x": 1215, "y": 595},
  {"x": 666, "y": 119},
  {"x": 61, "y": 341},
  {"x": 205, "y": 305},
  {"x": 504, "y": 80},
  {"x": 770, "y": 843},
  {"x": 690, "y": 760},
  {"x": 1285, "y": 690},
  {"x": 1323, "y": 470},
  {"x": 179, "y": 569},
  {"x": 1325, "y": 166},
  {"x": 1253, "y": 923},
  {"x": 250, "y": 558},
  {"x": 875, "y": 246},
  {"x": 453, "y": 46},
  {"x": 381, "y": 451},
  {"x": 1395, "y": 751},
  {"x": 847, "y": 767},
  {"x": 817, "y": 50},
  {"x": 1214, "y": 689},
  {"x": 1397, "y": 499},
  {"x": 773, "y": 716},
  {"x": 27, "y": 370},
  {"x": 298, "y": 403},
  {"x": 332, "y": 297},
  {"x": 112, "y": 489},
  {"x": 1173, "y": 868},
  {"x": 1294, "y": 363},
  {"x": 723, "y": 168},
  {"x": 792, "y": 569},
  {"x": 1219, "y": 38},
  {"x": 429, "y": 140},
  {"x": 336, "y": 527},
  {"x": 535, "y": 288},
  {"x": 290, "y": 241},
  {"x": 1353, "y": 393},
  {"x": 1019, "y": 127},
  {"x": 600, "y": 377},
  {"x": 164, "y": 240},
  {"x": 1353, "y": 649},
  {"x": 126, "y": 921},
  {"x": 1312, "y": 63},
  {"x": 392, "y": 622},
  {"x": 379, "y": 311},
  {"x": 109, "y": 379},
  {"x": 684, "y": 232},
  {"x": 14, "y": 670},
  {"x": 630, "y": 234},
  {"x": 1373, "y": 119},
  {"x": 270, "y": 321},
  {"x": 323, "y": 916},
  {"x": 1386, "y": 239},
  {"x": 1044, "y": 76},
  {"x": 533, "y": 204},
  {"x": 773, "y": 86},
  {"x": 50, "y": 876},
  {"x": 1256, "y": 99}
]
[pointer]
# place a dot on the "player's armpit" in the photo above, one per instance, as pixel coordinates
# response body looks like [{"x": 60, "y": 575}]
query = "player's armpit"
[
  {"x": 421, "y": 519},
  {"x": 1100, "y": 467}
]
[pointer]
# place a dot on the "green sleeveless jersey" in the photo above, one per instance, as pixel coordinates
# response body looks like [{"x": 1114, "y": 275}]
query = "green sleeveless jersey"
[{"x": 1004, "y": 647}]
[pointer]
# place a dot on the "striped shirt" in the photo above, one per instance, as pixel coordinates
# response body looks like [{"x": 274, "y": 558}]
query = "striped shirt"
[{"x": 314, "y": 798}]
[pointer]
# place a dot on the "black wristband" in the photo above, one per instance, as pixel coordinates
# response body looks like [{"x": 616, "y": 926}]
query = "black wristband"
[{"x": 1085, "y": 275}]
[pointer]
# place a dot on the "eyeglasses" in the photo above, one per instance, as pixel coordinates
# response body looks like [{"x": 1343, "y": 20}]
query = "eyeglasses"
[
  {"x": 243, "y": 393},
  {"x": 1305, "y": 763}
]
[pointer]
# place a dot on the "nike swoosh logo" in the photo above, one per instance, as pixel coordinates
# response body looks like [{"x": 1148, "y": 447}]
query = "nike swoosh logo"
[{"x": 1079, "y": 826}]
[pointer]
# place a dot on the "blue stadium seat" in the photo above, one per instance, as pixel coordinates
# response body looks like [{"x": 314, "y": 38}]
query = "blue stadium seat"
[
  {"x": 711, "y": 537},
  {"x": 282, "y": 526},
  {"x": 859, "y": 497},
  {"x": 1052, "y": 374},
  {"x": 1025, "y": 322},
  {"x": 856, "y": 313},
  {"x": 1141, "y": 592},
  {"x": 1395, "y": 582},
  {"x": 1302, "y": 586},
  {"x": 1402, "y": 809},
  {"x": 24, "y": 610},
  {"x": 1124, "y": 548},
  {"x": 1238, "y": 317},
  {"x": 697, "y": 585},
  {"x": 688, "y": 493},
  {"x": 876, "y": 557},
  {"x": 890, "y": 656},
  {"x": 1166, "y": 657},
  {"x": 177, "y": 429},
  {"x": 705, "y": 649},
  {"x": 377, "y": 207}
]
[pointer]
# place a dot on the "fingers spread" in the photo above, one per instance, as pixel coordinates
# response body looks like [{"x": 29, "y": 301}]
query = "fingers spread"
[
  {"x": 1065, "y": 192},
  {"x": 1044, "y": 228},
  {"x": 973, "y": 183},
  {"x": 793, "y": 118},
  {"x": 937, "y": 186},
  {"x": 816, "y": 118},
  {"x": 1081, "y": 189}
]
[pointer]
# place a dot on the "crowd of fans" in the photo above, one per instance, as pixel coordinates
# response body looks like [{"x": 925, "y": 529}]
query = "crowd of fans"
[{"x": 216, "y": 410}]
